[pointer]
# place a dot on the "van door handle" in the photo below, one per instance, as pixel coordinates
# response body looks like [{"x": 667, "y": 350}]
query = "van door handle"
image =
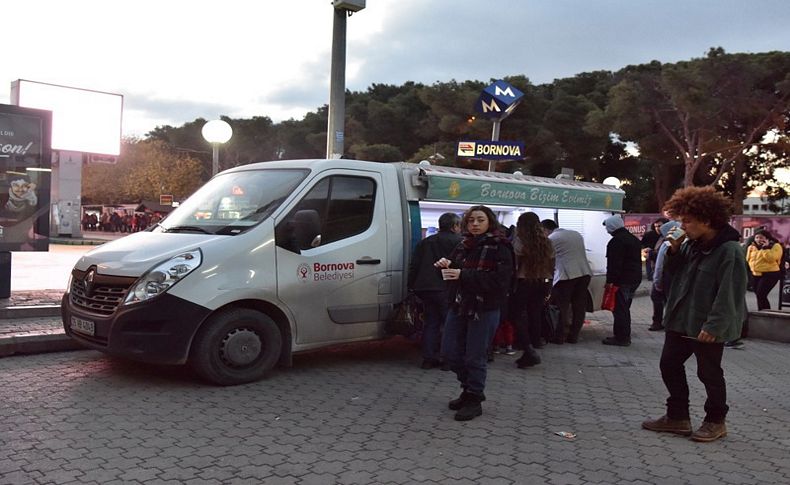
[{"x": 367, "y": 260}]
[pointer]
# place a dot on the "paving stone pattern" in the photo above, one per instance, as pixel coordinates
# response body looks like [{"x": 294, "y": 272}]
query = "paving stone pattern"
[{"x": 367, "y": 414}]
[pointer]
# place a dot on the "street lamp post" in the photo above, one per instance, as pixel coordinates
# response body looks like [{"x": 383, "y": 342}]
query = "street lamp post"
[
  {"x": 335, "y": 134},
  {"x": 216, "y": 132}
]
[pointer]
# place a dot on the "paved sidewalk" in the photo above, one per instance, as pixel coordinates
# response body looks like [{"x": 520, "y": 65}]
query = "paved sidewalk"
[{"x": 366, "y": 413}]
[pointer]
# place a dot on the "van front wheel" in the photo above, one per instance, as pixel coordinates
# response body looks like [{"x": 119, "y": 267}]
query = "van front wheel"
[{"x": 236, "y": 346}]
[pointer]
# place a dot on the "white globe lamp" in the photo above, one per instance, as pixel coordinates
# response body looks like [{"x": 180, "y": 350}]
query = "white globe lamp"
[{"x": 216, "y": 132}]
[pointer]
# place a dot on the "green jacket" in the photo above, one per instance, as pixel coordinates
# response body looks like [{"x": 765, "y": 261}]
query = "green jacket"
[{"x": 707, "y": 288}]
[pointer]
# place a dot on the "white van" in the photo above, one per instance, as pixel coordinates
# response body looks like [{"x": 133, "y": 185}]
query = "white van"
[{"x": 274, "y": 258}]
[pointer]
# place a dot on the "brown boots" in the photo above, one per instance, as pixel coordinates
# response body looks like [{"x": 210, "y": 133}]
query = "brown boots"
[
  {"x": 706, "y": 433},
  {"x": 710, "y": 432},
  {"x": 666, "y": 425}
]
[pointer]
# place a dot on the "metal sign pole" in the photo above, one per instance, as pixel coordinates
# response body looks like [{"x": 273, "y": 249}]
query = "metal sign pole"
[
  {"x": 337, "y": 87},
  {"x": 494, "y": 137}
]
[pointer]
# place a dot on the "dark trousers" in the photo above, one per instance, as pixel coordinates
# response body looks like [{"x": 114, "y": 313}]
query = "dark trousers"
[
  {"x": 570, "y": 296},
  {"x": 763, "y": 285},
  {"x": 622, "y": 312},
  {"x": 526, "y": 307},
  {"x": 659, "y": 299},
  {"x": 677, "y": 350},
  {"x": 435, "y": 313}
]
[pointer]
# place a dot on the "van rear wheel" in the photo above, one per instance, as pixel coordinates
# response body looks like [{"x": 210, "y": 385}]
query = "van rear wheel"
[{"x": 236, "y": 346}]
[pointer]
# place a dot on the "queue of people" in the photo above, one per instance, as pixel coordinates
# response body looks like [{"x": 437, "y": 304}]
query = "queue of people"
[
  {"x": 119, "y": 221},
  {"x": 471, "y": 281}
]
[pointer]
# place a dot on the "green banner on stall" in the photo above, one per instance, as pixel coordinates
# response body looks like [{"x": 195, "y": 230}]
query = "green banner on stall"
[{"x": 450, "y": 189}]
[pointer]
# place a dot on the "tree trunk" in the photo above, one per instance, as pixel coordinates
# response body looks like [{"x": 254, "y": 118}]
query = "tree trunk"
[
  {"x": 661, "y": 183},
  {"x": 738, "y": 191},
  {"x": 690, "y": 171}
]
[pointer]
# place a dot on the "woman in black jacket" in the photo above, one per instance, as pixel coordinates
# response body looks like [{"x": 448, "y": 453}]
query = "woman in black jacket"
[{"x": 480, "y": 275}]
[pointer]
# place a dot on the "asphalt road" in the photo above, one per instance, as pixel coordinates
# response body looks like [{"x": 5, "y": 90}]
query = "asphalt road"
[{"x": 367, "y": 414}]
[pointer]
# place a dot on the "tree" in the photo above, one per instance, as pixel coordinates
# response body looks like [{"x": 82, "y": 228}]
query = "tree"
[
  {"x": 145, "y": 169},
  {"x": 379, "y": 152},
  {"x": 704, "y": 114}
]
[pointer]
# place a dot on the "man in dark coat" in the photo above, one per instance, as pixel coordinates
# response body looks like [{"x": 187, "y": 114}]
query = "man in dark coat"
[
  {"x": 623, "y": 270},
  {"x": 425, "y": 280}
]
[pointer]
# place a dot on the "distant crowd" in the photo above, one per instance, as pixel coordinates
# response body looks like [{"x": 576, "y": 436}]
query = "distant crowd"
[{"x": 119, "y": 221}]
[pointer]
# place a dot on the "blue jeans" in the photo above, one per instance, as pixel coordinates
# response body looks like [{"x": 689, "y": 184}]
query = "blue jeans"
[
  {"x": 622, "y": 312},
  {"x": 465, "y": 347},
  {"x": 435, "y": 307}
]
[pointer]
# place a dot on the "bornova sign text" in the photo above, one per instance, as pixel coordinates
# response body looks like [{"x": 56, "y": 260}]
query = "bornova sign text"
[
  {"x": 498, "y": 100},
  {"x": 491, "y": 150}
]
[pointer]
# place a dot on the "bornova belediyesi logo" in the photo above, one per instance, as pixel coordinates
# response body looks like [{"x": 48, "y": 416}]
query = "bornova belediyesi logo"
[{"x": 324, "y": 272}]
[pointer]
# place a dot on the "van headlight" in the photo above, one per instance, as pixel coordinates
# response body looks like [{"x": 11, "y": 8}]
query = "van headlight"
[{"x": 161, "y": 277}]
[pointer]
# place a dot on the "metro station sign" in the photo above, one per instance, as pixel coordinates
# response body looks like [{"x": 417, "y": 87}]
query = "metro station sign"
[{"x": 498, "y": 100}]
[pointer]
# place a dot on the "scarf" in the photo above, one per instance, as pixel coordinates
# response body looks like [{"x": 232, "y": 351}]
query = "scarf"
[{"x": 478, "y": 253}]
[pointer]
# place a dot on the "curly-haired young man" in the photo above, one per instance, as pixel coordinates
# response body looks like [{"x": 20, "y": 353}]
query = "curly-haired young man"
[{"x": 705, "y": 307}]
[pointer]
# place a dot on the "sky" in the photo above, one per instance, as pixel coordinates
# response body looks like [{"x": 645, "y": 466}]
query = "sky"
[{"x": 177, "y": 60}]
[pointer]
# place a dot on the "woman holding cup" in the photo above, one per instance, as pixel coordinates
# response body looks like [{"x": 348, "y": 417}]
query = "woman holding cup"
[{"x": 479, "y": 274}]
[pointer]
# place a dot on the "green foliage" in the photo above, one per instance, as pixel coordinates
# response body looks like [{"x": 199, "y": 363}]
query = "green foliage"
[
  {"x": 706, "y": 115},
  {"x": 145, "y": 169},
  {"x": 697, "y": 121},
  {"x": 378, "y": 152}
]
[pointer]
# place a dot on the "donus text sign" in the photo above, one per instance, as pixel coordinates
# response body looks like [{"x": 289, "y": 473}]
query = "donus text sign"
[{"x": 491, "y": 150}]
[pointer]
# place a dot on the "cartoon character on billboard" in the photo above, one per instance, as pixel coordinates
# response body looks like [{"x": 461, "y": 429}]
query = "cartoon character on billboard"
[{"x": 21, "y": 195}]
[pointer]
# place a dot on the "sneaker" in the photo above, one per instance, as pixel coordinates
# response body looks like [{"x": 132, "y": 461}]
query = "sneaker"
[
  {"x": 509, "y": 350},
  {"x": 655, "y": 327},
  {"x": 709, "y": 432},
  {"x": 614, "y": 341},
  {"x": 666, "y": 425},
  {"x": 734, "y": 344}
]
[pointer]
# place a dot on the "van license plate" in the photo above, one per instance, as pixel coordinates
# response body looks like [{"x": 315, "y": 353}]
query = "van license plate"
[{"x": 83, "y": 326}]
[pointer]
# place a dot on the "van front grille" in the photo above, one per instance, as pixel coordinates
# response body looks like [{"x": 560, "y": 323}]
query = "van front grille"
[{"x": 101, "y": 296}]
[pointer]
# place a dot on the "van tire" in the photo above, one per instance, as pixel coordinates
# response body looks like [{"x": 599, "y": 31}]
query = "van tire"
[{"x": 236, "y": 346}]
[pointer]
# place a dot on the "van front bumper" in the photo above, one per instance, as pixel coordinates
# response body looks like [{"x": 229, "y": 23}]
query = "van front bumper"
[{"x": 159, "y": 331}]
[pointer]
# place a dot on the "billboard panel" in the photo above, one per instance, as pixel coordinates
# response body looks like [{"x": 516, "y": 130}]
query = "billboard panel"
[
  {"x": 82, "y": 120},
  {"x": 25, "y": 178}
]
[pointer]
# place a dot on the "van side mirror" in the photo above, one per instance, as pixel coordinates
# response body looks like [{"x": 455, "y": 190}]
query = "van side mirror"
[{"x": 307, "y": 228}]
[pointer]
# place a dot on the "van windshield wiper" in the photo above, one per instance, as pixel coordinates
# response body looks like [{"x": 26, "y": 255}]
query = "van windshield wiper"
[{"x": 187, "y": 228}]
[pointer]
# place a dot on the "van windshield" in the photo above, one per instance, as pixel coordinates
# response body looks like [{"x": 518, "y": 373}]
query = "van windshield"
[{"x": 231, "y": 203}]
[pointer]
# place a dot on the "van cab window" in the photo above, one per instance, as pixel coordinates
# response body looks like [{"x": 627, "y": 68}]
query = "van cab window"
[
  {"x": 337, "y": 207},
  {"x": 233, "y": 202}
]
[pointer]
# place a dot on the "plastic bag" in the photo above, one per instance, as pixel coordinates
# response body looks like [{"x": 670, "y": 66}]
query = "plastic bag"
[{"x": 609, "y": 293}]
